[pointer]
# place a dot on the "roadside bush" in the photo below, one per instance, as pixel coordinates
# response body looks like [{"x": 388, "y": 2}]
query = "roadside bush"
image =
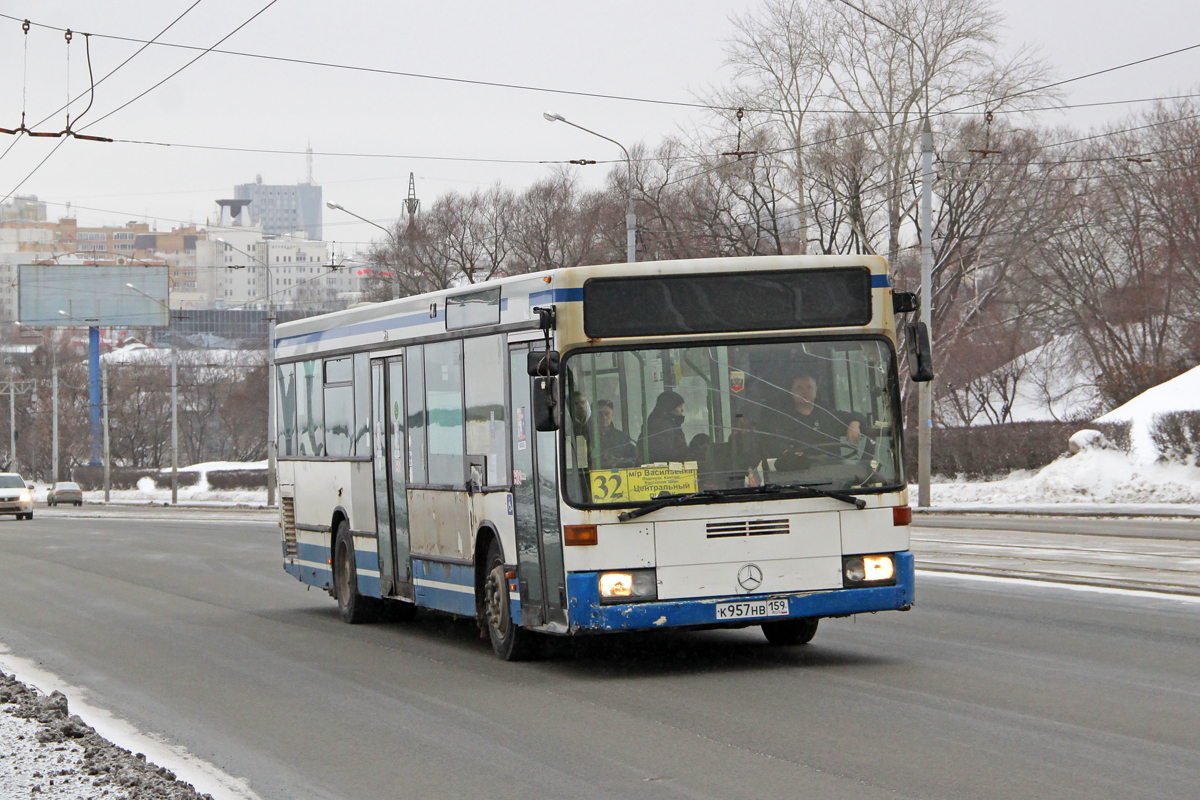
[
  {"x": 984, "y": 451},
  {"x": 227, "y": 479},
  {"x": 91, "y": 477},
  {"x": 1177, "y": 436},
  {"x": 1115, "y": 432}
]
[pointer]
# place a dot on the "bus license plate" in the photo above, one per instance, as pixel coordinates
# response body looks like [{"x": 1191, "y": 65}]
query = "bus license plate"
[{"x": 753, "y": 608}]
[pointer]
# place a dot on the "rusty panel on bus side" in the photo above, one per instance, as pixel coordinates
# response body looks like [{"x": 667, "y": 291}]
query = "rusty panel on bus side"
[{"x": 440, "y": 523}]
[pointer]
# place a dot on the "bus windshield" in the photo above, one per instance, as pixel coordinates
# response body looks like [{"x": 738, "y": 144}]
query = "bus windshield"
[{"x": 639, "y": 423}]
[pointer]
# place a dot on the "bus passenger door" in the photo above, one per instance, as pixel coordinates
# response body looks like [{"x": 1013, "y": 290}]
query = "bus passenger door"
[
  {"x": 391, "y": 500},
  {"x": 535, "y": 506}
]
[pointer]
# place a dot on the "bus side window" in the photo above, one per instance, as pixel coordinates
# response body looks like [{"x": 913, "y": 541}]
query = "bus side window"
[
  {"x": 339, "y": 406},
  {"x": 484, "y": 361},
  {"x": 444, "y": 405},
  {"x": 362, "y": 406},
  {"x": 310, "y": 421},
  {"x": 414, "y": 367},
  {"x": 286, "y": 409}
]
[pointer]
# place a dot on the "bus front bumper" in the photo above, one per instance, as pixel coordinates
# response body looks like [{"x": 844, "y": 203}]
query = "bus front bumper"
[{"x": 586, "y": 613}]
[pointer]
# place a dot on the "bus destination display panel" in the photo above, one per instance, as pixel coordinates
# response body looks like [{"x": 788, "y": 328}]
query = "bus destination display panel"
[{"x": 663, "y": 305}]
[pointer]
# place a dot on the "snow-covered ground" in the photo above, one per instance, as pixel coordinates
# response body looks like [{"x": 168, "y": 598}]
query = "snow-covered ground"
[
  {"x": 1093, "y": 476},
  {"x": 1099, "y": 474},
  {"x": 148, "y": 491}
]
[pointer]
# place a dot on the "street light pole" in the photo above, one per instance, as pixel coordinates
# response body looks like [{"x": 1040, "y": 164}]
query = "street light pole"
[
  {"x": 630, "y": 214},
  {"x": 390, "y": 235},
  {"x": 925, "y": 389},
  {"x": 272, "y": 442}
]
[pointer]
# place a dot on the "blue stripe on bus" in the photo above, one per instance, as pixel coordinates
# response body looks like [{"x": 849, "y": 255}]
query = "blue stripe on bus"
[
  {"x": 556, "y": 296},
  {"x": 454, "y": 600},
  {"x": 587, "y": 613},
  {"x": 880, "y": 282},
  {"x": 373, "y": 326}
]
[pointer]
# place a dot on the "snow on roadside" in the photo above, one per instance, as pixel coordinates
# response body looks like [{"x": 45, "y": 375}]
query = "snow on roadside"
[
  {"x": 47, "y": 752},
  {"x": 1181, "y": 393},
  {"x": 1094, "y": 475}
]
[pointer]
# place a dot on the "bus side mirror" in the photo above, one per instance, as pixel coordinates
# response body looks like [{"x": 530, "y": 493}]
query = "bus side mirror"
[
  {"x": 920, "y": 357},
  {"x": 546, "y": 414},
  {"x": 541, "y": 363}
]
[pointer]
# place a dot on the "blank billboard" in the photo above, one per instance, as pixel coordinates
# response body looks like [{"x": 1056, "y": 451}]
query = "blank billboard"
[{"x": 92, "y": 295}]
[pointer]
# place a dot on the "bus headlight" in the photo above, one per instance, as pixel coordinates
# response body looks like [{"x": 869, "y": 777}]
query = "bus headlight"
[
  {"x": 628, "y": 586},
  {"x": 877, "y": 570}
]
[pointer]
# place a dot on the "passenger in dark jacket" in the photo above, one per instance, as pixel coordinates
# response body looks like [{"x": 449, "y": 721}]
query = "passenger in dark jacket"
[
  {"x": 614, "y": 448},
  {"x": 663, "y": 434}
]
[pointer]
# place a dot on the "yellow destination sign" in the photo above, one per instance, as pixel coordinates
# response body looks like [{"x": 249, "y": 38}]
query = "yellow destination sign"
[{"x": 639, "y": 485}]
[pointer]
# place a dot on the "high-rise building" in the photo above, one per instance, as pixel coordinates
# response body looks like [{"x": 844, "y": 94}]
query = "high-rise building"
[{"x": 282, "y": 210}]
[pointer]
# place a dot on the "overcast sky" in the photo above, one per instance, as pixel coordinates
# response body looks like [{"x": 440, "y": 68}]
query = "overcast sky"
[{"x": 657, "y": 49}]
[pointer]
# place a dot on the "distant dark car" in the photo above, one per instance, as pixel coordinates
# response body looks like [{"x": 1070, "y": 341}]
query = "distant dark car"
[
  {"x": 16, "y": 497},
  {"x": 64, "y": 492}
]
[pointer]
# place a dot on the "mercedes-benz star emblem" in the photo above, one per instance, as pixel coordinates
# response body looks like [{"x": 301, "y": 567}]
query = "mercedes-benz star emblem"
[{"x": 750, "y": 577}]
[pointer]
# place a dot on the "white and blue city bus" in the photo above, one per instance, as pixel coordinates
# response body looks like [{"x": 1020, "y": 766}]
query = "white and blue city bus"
[{"x": 698, "y": 444}]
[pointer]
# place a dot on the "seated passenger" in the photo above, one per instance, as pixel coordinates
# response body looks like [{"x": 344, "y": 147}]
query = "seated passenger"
[
  {"x": 663, "y": 435},
  {"x": 614, "y": 448}
]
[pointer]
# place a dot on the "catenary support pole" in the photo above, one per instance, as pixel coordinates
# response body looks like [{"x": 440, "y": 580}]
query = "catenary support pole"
[
  {"x": 94, "y": 392},
  {"x": 174, "y": 425},
  {"x": 54, "y": 422},
  {"x": 272, "y": 444},
  {"x": 12, "y": 425},
  {"x": 925, "y": 390},
  {"x": 107, "y": 452}
]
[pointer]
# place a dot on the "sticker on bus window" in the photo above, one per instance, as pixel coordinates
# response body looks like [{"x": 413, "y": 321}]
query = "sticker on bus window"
[
  {"x": 521, "y": 426},
  {"x": 737, "y": 381}
]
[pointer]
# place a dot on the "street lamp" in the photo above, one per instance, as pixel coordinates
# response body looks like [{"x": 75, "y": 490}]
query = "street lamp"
[
  {"x": 53, "y": 402},
  {"x": 272, "y": 444},
  {"x": 630, "y": 216},
  {"x": 390, "y": 235},
  {"x": 925, "y": 389}
]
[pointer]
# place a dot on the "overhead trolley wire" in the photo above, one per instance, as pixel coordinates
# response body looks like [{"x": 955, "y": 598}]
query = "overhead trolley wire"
[{"x": 581, "y": 93}]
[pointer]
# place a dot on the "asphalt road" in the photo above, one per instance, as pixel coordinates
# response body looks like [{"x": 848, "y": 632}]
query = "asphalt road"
[{"x": 192, "y": 630}]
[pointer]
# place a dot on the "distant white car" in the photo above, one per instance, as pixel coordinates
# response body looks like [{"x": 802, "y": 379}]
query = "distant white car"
[
  {"x": 16, "y": 496},
  {"x": 64, "y": 492}
]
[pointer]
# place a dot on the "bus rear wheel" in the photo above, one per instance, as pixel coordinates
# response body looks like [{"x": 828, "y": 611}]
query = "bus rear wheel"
[
  {"x": 352, "y": 606},
  {"x": 509, "y": 641},
  {"x": 790, "y": 632}
]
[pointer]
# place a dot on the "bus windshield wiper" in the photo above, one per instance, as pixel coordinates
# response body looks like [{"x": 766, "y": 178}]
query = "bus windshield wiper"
[
  {"x": 662, "y": 501},
  {"x": 724, "y": 495}
]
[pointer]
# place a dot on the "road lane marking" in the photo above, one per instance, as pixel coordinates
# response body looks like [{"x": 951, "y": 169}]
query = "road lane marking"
[{"x": 1074, "y": 587}]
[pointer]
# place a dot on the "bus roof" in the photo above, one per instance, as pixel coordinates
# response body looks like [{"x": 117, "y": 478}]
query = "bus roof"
[{"x": 400, "y": 321}]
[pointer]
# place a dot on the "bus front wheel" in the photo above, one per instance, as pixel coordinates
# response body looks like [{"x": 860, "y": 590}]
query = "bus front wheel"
[
  {"x": 509, "y": 641},
  {"x": 790, "y": 631},
  {"x": 352, "y": 606}
]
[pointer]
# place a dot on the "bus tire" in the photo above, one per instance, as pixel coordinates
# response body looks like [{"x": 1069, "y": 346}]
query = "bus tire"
[
  {"x": 789, "y": 632},
  {"x": 509, "y": 641},
  {"x": 352, "y": 606}
]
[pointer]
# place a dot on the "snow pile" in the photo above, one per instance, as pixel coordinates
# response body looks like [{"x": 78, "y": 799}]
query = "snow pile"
[
  {"x": 1181, "y": 393},
  {"x": 1097, "y": 472},
  {"x": 1094, "y": 475},
  {"x": 150, "y": 491},
  {"x": 50, "y": 753}
]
